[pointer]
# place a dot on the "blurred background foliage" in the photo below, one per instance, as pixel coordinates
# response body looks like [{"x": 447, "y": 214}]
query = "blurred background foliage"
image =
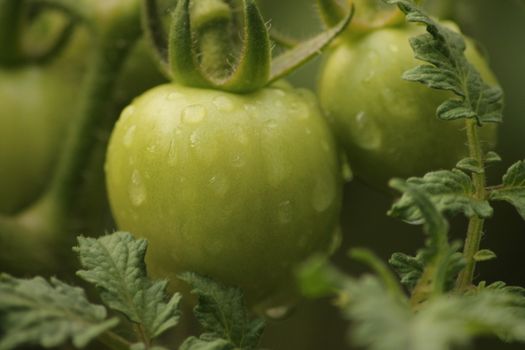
[{"x": 499, "y": 28}]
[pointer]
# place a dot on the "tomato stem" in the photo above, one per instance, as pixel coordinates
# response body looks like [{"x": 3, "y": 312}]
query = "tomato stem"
[
  {"x": 113, "y": 341},
  {"x": 475, "y": 227},
  {"x": 105, "y": 64},
  {"x": 11, "y": 20},
  {"x": 212, "y": 21}
]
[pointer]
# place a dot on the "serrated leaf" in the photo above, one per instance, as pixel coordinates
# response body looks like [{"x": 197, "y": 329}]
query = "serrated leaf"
[
  {"x": 47, "y": 313},
  {"x": 381, "y": 322},
  {"x": 452, "y": 192},
  {"x": 222, "y": 314},
  {"x": 500, "y": 285},
  {"x": 408, "y": 268},
  {"x": 470, "y": 164},
  {"x": 194, "y": 343},
  {"x": 484, "y": 255},
  {"x": 115, "y": 264},
  {"x": 492, "y": 157},
  {"x": 513, "y": 190},
  {"x": 449, "y": 70}
]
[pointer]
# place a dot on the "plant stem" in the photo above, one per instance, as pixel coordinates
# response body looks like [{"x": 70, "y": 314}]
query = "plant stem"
[
  {"x": 211, "y": 21},
  {"x": 113, "y": 341},
  {"x": 11, "y": 20},
  {"x": 475, "y": 227},
  {"x": 105, "y": 63}
]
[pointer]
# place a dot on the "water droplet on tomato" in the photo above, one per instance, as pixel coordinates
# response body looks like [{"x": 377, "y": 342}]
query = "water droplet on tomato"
[
  {"x": 279, "y": 312},
  {"x": 285, "y": 212},
  {"x": 307, "y": 131},
  {"x": 219, "y": 184},
  {"x": 300, "y": 110},
  {"x": 365, "y": 133},
  {"x": 241, "y": 136},
  {"x": 193, "y": 114},
  {"x": 346, "y": 170},
  {"x": 129, "y": 136},
  {"x": 172, "y": 154},
  {"x": 172, "y": 96},
  {"x": 194, "y": 139},
  {"x": 223, "y": 103},
  {"x": 324, "y": 192},
  {"x": 249, "y": 108},
  {"x": 152, "y": 148},
  {"x": 393, "y": 48},
  {"x": 238, "y": 160},
  {"x": 137, "y": 191}
]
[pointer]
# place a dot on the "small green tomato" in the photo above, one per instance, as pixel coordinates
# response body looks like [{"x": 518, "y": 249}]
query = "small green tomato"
[
  {"x": 237, "y": 187},
  {"x": 386, "y": 125}
]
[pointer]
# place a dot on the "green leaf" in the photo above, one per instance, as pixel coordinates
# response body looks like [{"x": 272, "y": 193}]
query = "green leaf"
[
  {"x": 194, "y": 343},
  {"x": 47, "y": 313},
  {"x": 301, "y": 53},
  {"x": 115, "y": 264},
  {"x": 500, "y": 285},
  {"x": 331, "y": 11},
  {"x": 222, "y": 314},
  {"x": 421, "y": 203},
  {"x": 317, "y": 278},
  {"x": 409, "y": 268},
  {"x": 381, "y": 322},
  {"x": 381, "y": 269},
  {"x": 492, "y": 157},
  {"x": 452, "y": 192},
  {"x": 513, "y": 190},
  {"x": 484, "y": 255},
  {"x": 450, "y": 70},
  {"x": 471, "y": 165},
  {"x": 439, "y": 258}
]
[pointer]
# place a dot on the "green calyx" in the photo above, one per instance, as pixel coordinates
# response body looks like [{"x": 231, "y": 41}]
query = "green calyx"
[{"x": 202, "y": 48}]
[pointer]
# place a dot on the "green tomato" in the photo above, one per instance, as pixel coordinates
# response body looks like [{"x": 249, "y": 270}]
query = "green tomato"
[
  {"x": 237, "y": 187},
  {"x": 36, "y": 104},
  {"x": 386, "y": 125}
]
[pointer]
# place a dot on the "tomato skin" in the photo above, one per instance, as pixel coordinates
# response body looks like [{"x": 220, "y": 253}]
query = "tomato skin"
[
  {"x": 388, "y": 126},
  {"x": 237, "y": 187}
]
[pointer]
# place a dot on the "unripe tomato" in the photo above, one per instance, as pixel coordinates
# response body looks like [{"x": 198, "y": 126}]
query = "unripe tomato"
[
  {"x": 386, "y": 125},
  {"x": 36, "y": 104},
  {"x": 236, "y": 187}
]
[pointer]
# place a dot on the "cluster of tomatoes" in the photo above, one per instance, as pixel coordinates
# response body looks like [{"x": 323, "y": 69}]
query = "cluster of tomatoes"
[{"x": 240, "y": 187}]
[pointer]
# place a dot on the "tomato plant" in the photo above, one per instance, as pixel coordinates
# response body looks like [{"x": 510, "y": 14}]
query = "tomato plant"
[
  {"x": 226, "y": 182},
  {"x": 386, "y": 125}
]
